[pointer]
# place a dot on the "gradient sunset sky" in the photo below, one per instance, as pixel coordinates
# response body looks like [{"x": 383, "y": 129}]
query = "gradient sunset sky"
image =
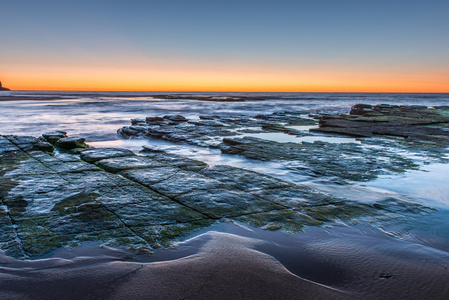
[{"x": 173, "y": 45}]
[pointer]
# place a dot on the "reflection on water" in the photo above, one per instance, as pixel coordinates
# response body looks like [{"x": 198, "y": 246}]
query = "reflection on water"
[
  {"x": 429, "y": 186},
  {"x": 288, "y": 138},
  {"x": 209, "y": 155},
  {"x": 302, "y": 127}
]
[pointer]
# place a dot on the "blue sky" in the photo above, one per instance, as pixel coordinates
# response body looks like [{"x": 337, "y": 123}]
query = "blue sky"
[{"x": 290, "y": 36}]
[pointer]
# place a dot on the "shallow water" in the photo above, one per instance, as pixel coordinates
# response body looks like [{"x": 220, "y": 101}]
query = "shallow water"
[
  {"x": 428, "y": 186},
  {"x": 288, "y": 138},
  {"x": 97, "y": 116}
]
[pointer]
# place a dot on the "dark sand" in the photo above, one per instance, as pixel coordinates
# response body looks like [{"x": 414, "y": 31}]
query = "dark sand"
[{"x": 230, "y": 266}]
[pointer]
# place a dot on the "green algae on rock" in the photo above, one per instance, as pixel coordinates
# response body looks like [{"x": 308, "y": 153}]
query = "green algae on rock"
[
  {"x": 348, "y": 161},
  {"x": 71, "y": 143},
  {"x": 286, "y": 220},
  {"x": 243, "y": 179}
]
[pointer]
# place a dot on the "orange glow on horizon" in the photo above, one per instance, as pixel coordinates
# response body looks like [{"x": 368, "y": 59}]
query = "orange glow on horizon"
[{"x": 225, "y": 80}]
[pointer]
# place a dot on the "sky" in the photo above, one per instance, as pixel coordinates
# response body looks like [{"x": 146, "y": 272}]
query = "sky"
[{"x": 257, "y": 46}]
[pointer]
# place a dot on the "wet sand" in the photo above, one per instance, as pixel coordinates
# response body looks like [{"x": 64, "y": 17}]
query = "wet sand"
[
  {"x": 225, "y": 265},
  {"x": 226, "y": 268}
]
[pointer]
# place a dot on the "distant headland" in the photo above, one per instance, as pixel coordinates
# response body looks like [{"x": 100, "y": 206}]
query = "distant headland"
[{"x": 3, "y": 88}]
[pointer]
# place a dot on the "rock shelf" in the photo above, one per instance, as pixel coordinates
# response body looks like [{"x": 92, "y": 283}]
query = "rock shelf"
[
  {"x": 418, "y": 124},
  {"x": 395, "y": 129},
  {"x": 53, "y": 197},
  {"x": 209, "y": 130},
  {"x": 56, "y": 191}
]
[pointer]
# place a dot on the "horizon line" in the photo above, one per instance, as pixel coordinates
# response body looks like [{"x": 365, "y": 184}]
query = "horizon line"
[{"x": 199, "y": 91}]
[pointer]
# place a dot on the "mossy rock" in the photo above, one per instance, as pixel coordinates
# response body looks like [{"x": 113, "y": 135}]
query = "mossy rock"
[
  {"x": 344, "y": 211},
  {"x": 289, "y": 221}
]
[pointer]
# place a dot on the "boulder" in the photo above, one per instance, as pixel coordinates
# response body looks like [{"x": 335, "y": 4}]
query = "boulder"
[
  {"x": 71, "y": 143},
  {"x": 44, "y": 146},
  {"x": 54, "y": 136}
]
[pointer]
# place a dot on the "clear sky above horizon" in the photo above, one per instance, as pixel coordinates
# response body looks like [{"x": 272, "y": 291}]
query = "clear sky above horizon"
[{"x": 321, "y": 45}]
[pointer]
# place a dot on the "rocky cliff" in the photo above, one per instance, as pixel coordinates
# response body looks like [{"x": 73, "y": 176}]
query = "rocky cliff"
[{"x": 3, "y": 88}]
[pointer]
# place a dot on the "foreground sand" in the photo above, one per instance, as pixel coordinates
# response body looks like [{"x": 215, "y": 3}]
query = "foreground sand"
[
  {"x": 229, "y": 266},
  {"x": 226, "y": 268}
]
